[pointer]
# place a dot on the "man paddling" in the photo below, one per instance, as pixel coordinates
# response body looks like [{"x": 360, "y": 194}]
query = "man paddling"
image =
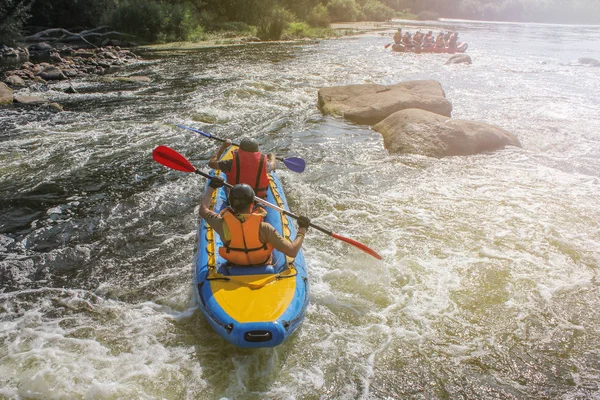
[
  {"x": 247, "y": 240},
  {"x": 248, "y": 165}
]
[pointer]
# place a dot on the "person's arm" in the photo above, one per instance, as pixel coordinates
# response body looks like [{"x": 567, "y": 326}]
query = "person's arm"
[
  {"x": 292, "y": 248},
  {"x": 213, "y": 162},
  {"x": 215, "y": 183},
  {"x": 271, "y": 162}
]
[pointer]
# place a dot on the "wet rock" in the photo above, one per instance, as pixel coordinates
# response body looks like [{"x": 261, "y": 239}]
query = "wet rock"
[
  {"x": 589, "y": 61},
  {"x": 40, "y": 48},
  {"x": 54, "y": 107},
  {"x": 52, "y": 73},
  {"x": 30, "y": 100},
  {"x": 6, "y": 94},
  {"x": 15, "y": 80},
  {"x": 6, "y": 51},
  {"x": 459, "y": 59},
  {"x": 70, "y": 90},
  {"x": 371, "y": 103},
  {"x": 55, "y": 56},
  {"x": 84, "y": 53},
  {"x": 422, "y": 132}
]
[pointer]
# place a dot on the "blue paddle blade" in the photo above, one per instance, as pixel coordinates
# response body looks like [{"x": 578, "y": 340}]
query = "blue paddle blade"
[
  {"x": 295, "y": 164},
  {"x": 208, "y": 135}
]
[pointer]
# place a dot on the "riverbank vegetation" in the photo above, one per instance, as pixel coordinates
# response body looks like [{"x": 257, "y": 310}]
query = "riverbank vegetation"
[{"x": 155, "y": 21}]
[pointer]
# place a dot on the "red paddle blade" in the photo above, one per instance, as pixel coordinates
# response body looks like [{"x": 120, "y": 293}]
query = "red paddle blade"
[
  {"x": 358, "y": 245},
  {"x": 170, "y": 158}
]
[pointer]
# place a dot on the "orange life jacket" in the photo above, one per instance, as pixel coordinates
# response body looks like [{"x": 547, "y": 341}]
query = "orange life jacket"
[
  {"x": 249, "y": 168},
  {"x": 245, "y": 248}
]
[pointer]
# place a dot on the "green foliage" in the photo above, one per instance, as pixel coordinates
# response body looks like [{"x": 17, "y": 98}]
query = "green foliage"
[
  {"x": 428, "y": 16},
  {"x": 71, "y": 14},
  {"x": 300, "y": 8},
  {"x": 13, "y": 14},
  {"x": 343, "y": 10},
  {"x": 273, "y": 23},
  {"x": 140, "y": 18},
  {"x": 318, "y": 16},
  {"x": 174, "y": 20},
  {"x": 303, "y": 30},
  {"x": 374, "y": 10},
  {"x": 154, "y": 21}
]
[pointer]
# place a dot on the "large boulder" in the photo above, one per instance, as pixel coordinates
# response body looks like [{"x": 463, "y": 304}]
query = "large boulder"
[
  {"x": 589, "y": 61},
  {"x": 6, "y": 94},
  {"x": 459, "y": 59},
  {"x": 51, "y": 73},
  {"x": 370, "y": 103},
  {"x": 30, "y": 100},
  {"x": 422, "y": 132}
]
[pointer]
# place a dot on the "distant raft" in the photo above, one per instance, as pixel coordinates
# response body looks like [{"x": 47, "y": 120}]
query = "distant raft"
[
  {"x": 258, "y": 306},
  {"x": 461, "y": 47}
]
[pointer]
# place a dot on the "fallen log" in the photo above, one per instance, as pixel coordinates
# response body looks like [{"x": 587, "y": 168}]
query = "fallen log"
[{"x": 49, "y": 35}]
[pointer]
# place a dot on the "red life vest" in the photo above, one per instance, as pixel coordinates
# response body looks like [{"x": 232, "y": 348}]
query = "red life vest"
[
  {"x": 245, "y": 248},
  {"x": 249, "y": 168}
]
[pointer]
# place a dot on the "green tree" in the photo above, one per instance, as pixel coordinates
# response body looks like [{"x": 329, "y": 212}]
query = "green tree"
[
  {"x": 70, "y": 14},
  {"x": 318, "y": 16},
  {"x": 374, "y": 10},
  {"x": 13, "y": 15},
  {"x": 343, "y": 10},
  {"x": 273, "y": 23}
]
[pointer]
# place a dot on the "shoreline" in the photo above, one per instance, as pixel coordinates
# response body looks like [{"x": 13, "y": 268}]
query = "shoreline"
[{"x": 351, "y": 29}]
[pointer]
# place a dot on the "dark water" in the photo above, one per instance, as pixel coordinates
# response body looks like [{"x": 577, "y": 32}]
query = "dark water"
[{"x": 489, "y": 283}]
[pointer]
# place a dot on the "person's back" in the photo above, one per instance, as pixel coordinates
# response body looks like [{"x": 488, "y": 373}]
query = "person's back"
[
  {"x": 418, "y": 38},
  {"x": 247, "y": 240},
  {"x": 428, "y": 40},
  {"x": 453, "y": 40},
  {"x": 439, "y": 40},
  {"x": 398, "y": 36},
  {"x": 248, "y": 165}
]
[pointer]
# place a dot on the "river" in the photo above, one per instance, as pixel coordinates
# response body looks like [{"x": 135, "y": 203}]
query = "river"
[{"x": 488, "y": 287}]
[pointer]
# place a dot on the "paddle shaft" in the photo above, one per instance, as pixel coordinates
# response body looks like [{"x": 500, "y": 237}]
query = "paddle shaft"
[{"x": 273, "y": 206}]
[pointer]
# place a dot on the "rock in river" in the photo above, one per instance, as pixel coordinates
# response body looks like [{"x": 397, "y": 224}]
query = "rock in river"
[
  {"x": 422, "y": 132},
  {"x": 6, "y": 94},
  {"x": 371, "y": 103}
]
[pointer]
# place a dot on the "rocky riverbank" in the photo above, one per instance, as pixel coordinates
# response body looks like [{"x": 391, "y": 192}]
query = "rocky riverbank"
[{"x": 60, "y": 63}]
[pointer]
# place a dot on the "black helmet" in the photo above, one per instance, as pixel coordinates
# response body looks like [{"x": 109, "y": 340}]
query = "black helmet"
[
  {"x": 240, "y": 196},
  {"x": 249, "y": 144}
]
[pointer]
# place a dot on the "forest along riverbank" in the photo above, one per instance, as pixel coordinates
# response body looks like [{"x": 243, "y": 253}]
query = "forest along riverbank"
[{"x": 489, "y": 280}]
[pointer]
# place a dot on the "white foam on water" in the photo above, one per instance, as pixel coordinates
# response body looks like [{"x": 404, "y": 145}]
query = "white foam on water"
[{"x": 92, "y": 347}]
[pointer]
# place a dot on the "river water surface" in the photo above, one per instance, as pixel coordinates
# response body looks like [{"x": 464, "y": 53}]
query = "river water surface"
[{"x": 489, "y": 282}]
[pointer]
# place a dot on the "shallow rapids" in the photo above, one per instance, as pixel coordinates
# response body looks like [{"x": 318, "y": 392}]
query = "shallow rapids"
[{"x": 488, "y": 286}]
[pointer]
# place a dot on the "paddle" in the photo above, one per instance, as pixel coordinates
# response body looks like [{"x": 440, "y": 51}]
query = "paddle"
[
  {"x": 295, "y": 164},
  {"x": 387, "y": 45},
  {"x": 172, "y": 159}
]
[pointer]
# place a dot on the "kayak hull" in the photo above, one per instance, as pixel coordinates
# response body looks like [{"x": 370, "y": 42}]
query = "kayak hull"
[{"x": 258, "y": 306}]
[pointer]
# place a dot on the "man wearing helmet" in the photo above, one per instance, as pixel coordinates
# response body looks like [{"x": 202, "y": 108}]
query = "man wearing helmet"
[
  {"x": 248, "y": 165},
  {"x": 247, "y": 240}
]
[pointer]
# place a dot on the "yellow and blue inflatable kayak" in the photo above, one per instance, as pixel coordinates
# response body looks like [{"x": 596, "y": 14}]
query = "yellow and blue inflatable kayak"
[{"x": 258, "y": 306}]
